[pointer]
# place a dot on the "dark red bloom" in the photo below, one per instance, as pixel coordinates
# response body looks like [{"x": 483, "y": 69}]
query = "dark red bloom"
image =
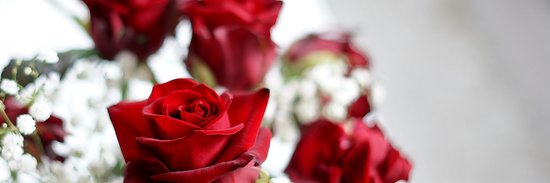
[
  {"x": 333, "y": 44},
  {"x": 136, "y": 25},
  {"x": 49, "y": 131},
  {"x": 359, "y": 108},
  {"x": 233, "y": 39},
  {"x": 326, "y": 153},
  {"x": 186, "y": 132}
]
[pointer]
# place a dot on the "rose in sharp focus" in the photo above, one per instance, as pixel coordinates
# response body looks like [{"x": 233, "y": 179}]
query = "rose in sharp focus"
[
  {"x": 186, "y": 132},
  {"x": 136, "y": 25},
  {"x": 319, "y": 48},
  {"x": 231, "y": 43},
  {"x": 333, "y": 153}
]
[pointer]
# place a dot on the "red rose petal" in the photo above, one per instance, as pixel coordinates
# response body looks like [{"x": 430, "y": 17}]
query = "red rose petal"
[
  {"x": 179, "y": 157},
  {"x": 247, "y": 108},
  {"x": 129, "y": 124},
  {"x": 160, "y": 90},
  {"x": 224, "y": 170},
  {"x": 170, "y": 128},
  {"x": 135, "y": 173}
]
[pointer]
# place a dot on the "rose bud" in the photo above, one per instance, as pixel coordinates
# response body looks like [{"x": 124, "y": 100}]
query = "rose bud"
[
  {"x": 231, "y": 44},
  {"x": 50, "y": 130},
  {"x": 333, "y": 153},
  {"x": 319, "y": 48},
  {"x": 135, "y": 25},
  {"x": 184, "y": 131}
]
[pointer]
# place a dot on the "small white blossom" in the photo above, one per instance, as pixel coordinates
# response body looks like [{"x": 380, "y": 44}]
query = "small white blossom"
[
  {"x": 307, "y": 110},
  {"x": 12, "y": 139},
  {"x": 51, "y": 83},
  {"x": 40, "y": 110},
  {"x": 9, "y": 86},
  {"x": 308, "y": 88},
  {"x": 5, "y": 173},
  {"x": 335, "y": 112},
  {"x": 12, "y": 152},
  {"x": 346, "y": 92},
  {"x": 27, "y": 163},
  {"x": 48, "y": 56},
  {"x": 13, "y": 164},
  {"x": 362, "y": 76},
  {"x": 26, "y": 124},
  {"x": 280, "y": 180}
]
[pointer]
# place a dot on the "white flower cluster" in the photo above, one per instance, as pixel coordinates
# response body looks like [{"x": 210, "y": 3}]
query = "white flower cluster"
[
  {"x": 325, "y": 90},
  {"x": 81, "y": 101},
  {"x": 13, "y": 158},
  {"x": 280, "y": 180}
]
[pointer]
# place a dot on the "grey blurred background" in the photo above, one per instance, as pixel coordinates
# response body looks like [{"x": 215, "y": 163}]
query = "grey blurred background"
[{"x": 467, "y": 84}]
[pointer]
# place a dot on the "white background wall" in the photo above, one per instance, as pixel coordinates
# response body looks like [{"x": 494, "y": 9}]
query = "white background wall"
[{"x": 467, "y": 82}]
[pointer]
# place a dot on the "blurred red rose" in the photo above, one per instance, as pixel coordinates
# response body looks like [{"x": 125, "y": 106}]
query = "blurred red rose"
[
  {"x": 359, "y": 108},
  {"x": 326, "y": 153},
  {"x": 233, "y": 40},
  {"x": 317, "y": 48},
  {"x": 186, "y": 132},
  {"x": 49, "y": 131},
  {"x": 136, "y": 25}
]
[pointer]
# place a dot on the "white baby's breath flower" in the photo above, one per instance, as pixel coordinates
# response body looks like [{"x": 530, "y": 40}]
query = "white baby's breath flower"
[
  {"x": 48, "y": 56},
  {"x": 307, "y": 110},
  {"x": 9, "y": 86},
  {"x": 12, "y": 152},
  {"x": 346, "y": 92},
  {"x": 362, "y": 76},
  {"x": 12, "y": 139},
  {"x": 26, "y": 124},
  {"x": 28, "y": 163},
  {"x": 5, "y": 173},
  {"x": 13, "y": 164},
  {"x": 51, "y": 83},
  {"x": 40, "y": 110},
  {"x": 308, "y": 88},
  {"x": 335, "y": 112},
  {"x": 280, "y": 180}
]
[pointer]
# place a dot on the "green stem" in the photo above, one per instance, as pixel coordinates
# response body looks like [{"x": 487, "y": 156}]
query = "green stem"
[
  {"x": 10, "y": 124},
  {"x": 38, "y": 142}
]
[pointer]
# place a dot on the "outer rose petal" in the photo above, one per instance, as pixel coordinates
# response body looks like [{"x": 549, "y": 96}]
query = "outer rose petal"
[
  {"x": 255, "y": 155},
  {"x": 247, "y": 108},
  {"x": 359, "y": 108},
  {"x": 135, "y": 171},
  {"x": 129, "y": 124},
  {"x": 246, "y": 57}
]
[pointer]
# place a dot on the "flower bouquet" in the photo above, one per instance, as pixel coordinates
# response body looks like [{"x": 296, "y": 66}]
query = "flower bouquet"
[{"x": 108, "y": 114}]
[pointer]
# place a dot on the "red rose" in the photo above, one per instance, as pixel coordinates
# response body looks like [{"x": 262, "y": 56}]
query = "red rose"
[
  {"x": 326, "y": 153},
  {"x": 232, "y": 38},
  {"x": 186, "y": 132},
  {"x": 137, "y": 25},
  {"x": 359, "y": 108},
  {"x": 49, "y": 131},
  {"x": 327, "y": 46}
]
